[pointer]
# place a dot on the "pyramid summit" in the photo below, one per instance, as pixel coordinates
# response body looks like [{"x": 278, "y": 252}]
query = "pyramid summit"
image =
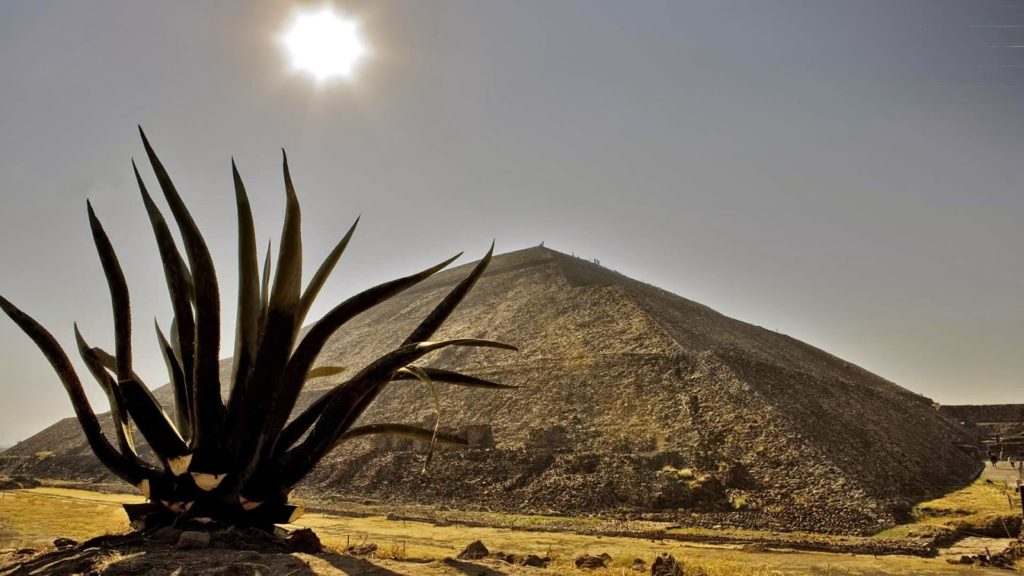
[{"x": 631, "y": 401}]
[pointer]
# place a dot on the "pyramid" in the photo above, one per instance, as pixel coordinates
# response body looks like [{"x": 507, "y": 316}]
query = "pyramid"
[{"x": 631, "y": 402}]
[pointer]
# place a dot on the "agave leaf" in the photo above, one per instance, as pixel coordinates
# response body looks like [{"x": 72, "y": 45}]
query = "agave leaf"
[
  {"x": 405, "y": 430},
  {"x": 122, "y": 428},
  {"x": 309, "y": 348},
  {"x": 286, "y": 293},
  {"x": 210, "y": 411},
  {"x": 265, "y": 288},
  {"x": 423, "y": 377},
  {"x": 353, "y": 397},
  {"x": 106, "y": 359},
  {"x": 436, "y": 318},
  {"x": 295, "y": 429},
  {"x": 179, "y": 285},
  {"x": 143, "y": 407},
  {"x": 278, "y": 337},
  {"x": 323, "y": 273},
  {"x": 451, "y": 377},
  {"x": 119, "y": 299},
  {"x": 152, "y": 421},
  {"x": 269, "y": 514},
  {"x": 122, "y": 466},
  {"x": 182, "y": 402},
  {"x": 324, "y": 371},
  {"x": 249, "y": 308}
]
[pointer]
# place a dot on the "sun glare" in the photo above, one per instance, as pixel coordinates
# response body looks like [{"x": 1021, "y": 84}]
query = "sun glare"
[{"x": 324, "y": 44}]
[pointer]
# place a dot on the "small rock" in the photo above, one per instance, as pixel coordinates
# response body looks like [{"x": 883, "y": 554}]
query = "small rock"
[
  {"x": 361, "y": 549},
  {"x": 193, "y": 540},
  {"x": 167, "y": 534},
  {"x": 506, "y": 557},
  {"x": 588, "y": 561},
  {"x": 474, "y": 551},
  {"x": 535, "y": 561},
  {"x": 638, "y": 565},
  {"x": 62, "y": 543},
  {"x": 666, "y": 565},
  {"x": 26, "y": 551},
  {"x": 305, "y": 541}
]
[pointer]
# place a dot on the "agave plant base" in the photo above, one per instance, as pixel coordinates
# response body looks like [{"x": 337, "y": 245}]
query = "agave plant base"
[
  {"x": 210, "y": 512},
  {"x": 233, "y": 463}
]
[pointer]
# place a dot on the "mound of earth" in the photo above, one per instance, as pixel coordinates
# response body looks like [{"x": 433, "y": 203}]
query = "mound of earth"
[{"x": 632, "y": 401}]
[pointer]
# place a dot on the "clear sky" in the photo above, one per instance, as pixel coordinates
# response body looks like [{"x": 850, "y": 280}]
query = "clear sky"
[{"x": 847, "y": 172}]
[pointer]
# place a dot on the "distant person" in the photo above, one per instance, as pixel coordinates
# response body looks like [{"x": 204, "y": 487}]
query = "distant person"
[{"x": 993, "y": 458}]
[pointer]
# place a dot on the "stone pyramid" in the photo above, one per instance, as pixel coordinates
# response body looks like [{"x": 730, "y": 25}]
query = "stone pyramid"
[{"x": 632, "y": 402}]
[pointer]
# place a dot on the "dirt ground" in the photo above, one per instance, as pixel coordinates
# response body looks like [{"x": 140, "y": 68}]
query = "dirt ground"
[{"x": 33, "y": 518}]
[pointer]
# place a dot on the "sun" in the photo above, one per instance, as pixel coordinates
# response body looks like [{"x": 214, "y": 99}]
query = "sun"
[{"x": 324, "y": 44}]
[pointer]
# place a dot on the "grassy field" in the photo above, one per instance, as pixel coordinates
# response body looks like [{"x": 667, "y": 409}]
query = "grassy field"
[{"x": 33, "y": 518}]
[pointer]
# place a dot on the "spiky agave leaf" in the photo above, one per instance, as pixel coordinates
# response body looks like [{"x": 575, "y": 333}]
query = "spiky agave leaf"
[
  {"x": 323, "y": 372},
  {"x": 182, "y": 401},
  {"x": 323, "y": 272},
  {"x": 118, "y": 410},
  {"x": 341, "y": 412},
  {"x": 247, "y": 331},
  {"x": 145, "y": 410},
  {"x": 452, "y": 377},
  {"x": 298, "y": 427},
  {"x": 444, "y": 309},
  {"x": 208, "y": 462},
  {"x": 423, "y": 377},
  {"x": 179, "y": 287},
  {"x": 119, "y": 298},
  {"x": 278, "y": 336},
  {"x": 122, "y": 466},
  {"x": 310, "y": 346},
  {"x": 404, "y": 430},
  {"x": 424, "y": 330},
  {"x": 106, "y": 359},
  {"x": 149, "y": 416},
  {"x": 265, "y": 288},
  {"x": 156, "y": 426}
]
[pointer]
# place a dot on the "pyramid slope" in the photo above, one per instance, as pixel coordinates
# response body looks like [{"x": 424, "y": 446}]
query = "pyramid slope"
[{"x": 635, "y": 401}]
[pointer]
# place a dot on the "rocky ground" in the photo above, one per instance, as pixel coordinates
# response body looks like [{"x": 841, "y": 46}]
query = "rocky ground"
[
  {"x": 195, "y": 553},
  {"x": 38, "y": 528}
]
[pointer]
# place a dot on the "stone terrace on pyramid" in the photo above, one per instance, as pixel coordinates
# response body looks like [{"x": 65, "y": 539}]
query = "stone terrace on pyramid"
[{"x": 633, "y": 402}]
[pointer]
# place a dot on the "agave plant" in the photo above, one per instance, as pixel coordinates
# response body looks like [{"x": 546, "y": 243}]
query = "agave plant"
[{"x": 236, "y": 461}]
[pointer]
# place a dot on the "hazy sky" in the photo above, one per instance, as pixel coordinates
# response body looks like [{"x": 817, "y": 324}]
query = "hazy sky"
[{"x": 848, "y": 172}]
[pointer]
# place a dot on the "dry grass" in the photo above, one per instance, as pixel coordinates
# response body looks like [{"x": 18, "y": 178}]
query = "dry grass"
[
  {"x": 974, "y": 508},
  {"x": 30, "y": 518},
  {"x": 36, "y": 516}
]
